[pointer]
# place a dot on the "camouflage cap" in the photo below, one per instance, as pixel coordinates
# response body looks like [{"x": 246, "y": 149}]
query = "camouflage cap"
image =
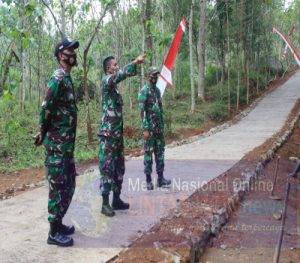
[{"x": 152, "y": 70}]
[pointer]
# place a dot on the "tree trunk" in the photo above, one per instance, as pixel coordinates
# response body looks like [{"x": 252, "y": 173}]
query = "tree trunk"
[
  {"x": 72, "y": 21},
  {"x": 147, "y": 28},
  {"x": 54, "y": 18},
  {"x": 201, "y": 82},
  {"x": 39, "y": 63},
  {"x": 228, "y": 65},
  {"x": 248, "y": 79},
  {"x": 12, "y": 53},
  {"x": 63, "y": 17},
  {"x": 257, "y": 72},
  {"x": 87, "y": 98},
  {"x": 191, "y": 58},
  {"x": 130, "y": 96},
  {"x": 238, "y": 55},
  {"x": 141, "y": 8},
  {"x": 238, "y": 89},
  {"x": 223, "y": 68},
  {"x": 30, "y": 84},
  {"x": 22, "y": 63},
  {"x": 85, "y": 73},
  {"x": 115, "y": 34}
]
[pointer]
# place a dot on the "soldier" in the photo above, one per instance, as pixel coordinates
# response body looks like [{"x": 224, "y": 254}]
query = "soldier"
[
  {"x": 111, "y": 154},
  {"x": 58, "y": 120},
  {"x": 153, "y": 128}
]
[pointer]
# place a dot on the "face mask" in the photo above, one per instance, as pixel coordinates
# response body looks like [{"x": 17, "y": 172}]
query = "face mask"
[
  {"x": 154, "y": 79},
  {"x": 112, "y": 71},
  {"x": 68, "y": 60}
]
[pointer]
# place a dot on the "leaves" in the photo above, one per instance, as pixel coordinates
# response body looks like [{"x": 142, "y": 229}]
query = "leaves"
[
  {"x": 32, "y": 28},
  {"x": 29, "y": 8},
  {"x": 108, "y": 2},
  {"x": 8, "y": 2}
]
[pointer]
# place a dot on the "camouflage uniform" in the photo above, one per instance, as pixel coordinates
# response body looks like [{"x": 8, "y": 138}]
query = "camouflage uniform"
[
  {"x": 111, "y": 154},
  {"x": 58, "y": 120},
  {"x": 150, "y": 105}
]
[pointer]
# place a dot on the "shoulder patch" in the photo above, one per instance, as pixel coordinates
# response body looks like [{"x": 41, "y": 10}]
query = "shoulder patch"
[
  {"x": 144, "y": 89},
  {"x": 59, "y": 74}
]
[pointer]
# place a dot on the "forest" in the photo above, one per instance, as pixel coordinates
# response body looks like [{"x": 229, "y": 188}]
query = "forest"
[{"x": 227, "y": 58}]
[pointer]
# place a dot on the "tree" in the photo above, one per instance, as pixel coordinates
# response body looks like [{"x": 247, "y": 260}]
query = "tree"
[
  {"x": 201, "y": 82},
  {"x": 54, "y": 18},
  {"x": 85, "y": 72},
  {"x": 191, "y": 58},
  {"x": 147, "y": 30},
  {"x": 228, "y": 66},
  {"x": 63, "y": 17},
  {"x": 11, "y": 54}
]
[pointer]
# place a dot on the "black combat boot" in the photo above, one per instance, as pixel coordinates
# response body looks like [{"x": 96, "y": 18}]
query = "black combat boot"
[
  {"x": 161, "y": 181},
  {"x": 106, "y": 208},
  {"x": 117, "y": 203},
  {"x": 57, "y": 238},
  {"x": 149, "y": 182},
  {"x": 296, "y": 170},
  {"x": 64, "y": 229}
]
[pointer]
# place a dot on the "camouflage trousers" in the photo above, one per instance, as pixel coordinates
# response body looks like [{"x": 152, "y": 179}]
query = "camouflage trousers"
[
  {"x": 111, "y": 164},
  {"x": 60, "y": 173},
  {"x": 155, "y": 144}
]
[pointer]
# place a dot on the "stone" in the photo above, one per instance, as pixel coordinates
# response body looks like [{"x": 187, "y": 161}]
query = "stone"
[
  {"x": 277, "y": 216},
  {"x": 223, "y": 246},
  {"x": 20, "y": 188},
  {"x": 10, "y": 190},
  {"x": 157, "y": 245}
]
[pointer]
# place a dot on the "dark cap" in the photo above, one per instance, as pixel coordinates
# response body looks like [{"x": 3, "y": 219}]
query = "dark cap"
[
  {"x": 153, "y": 70},
  {"x": 65, "y": 44}
]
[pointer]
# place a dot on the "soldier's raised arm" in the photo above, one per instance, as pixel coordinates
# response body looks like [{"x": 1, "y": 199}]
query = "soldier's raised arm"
[{"x": 115, "y": 74}]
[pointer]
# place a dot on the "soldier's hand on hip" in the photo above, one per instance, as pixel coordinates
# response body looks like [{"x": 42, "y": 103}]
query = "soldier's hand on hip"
[
  {"x": 38, "y": 140},
  {"x": 146, "y": 135},
  {"x": 140, "y": 59}
]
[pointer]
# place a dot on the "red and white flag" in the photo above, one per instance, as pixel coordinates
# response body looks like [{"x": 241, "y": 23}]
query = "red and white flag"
[
  {"x": 286, "y": 46},
  {"x": 165, "y": 77},
  {"x": 289, "y": 44}
]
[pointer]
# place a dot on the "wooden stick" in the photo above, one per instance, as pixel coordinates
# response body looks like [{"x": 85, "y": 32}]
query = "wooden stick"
[
  {"x": 278, "y": 246},
  {"x": 275, "y": 178}
]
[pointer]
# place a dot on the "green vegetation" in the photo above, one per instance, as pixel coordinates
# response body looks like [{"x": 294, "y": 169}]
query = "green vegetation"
[
  {"x": 17, "y": 150},
  {"x": 241, "y": 57}
]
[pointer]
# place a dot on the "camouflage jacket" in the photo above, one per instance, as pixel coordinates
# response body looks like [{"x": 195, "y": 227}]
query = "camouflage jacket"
[
  {"x": 112, "y": 103},
  {"x": 150, "y": 105},
  {"x": 58, "y": 114}
]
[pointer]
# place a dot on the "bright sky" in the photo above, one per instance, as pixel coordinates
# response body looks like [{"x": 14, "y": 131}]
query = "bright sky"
[{"x": 288, "y": 3}]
